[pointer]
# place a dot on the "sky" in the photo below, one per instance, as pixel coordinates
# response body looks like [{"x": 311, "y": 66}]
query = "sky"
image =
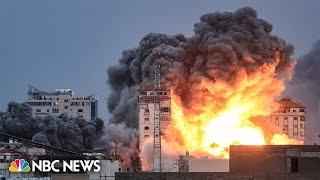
[{"x": 70, "y": 44}]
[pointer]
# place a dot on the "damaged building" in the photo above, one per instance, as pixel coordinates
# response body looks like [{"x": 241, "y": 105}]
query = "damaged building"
[{"x": 61, "y": 101}]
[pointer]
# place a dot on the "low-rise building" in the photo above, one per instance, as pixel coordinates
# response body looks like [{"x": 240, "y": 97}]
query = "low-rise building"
[
  {"x": 275, "y": 159},
  {"x": 62, "y": 101}
]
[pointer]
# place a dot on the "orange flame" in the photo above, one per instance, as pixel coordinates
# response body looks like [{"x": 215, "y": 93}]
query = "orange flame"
[{"x": 220, "y": 114}]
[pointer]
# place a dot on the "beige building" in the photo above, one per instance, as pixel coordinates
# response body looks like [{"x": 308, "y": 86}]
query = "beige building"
[
  {"x": 290, "y": 118},
  {"x": 154, "y": 118},
  {"x": 62, "y": 101}
]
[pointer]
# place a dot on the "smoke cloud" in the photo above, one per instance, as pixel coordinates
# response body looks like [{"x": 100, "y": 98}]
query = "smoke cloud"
[
  {"x": 125, "y": 142},
  {"x": 224, "y": 44},
  {"x": 75, "y": 134},
  {"x": 225, "y": 47},
  {"x": 305, "y": 87}
]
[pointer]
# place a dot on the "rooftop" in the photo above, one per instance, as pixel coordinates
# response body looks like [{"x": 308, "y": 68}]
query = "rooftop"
[{"x": 287, "y": 102}]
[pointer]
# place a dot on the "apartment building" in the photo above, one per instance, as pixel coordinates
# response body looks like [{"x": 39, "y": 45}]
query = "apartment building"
[
  {"x": 62, "y": 101},
  {"x": 290, "y": 118},
  {"x": 154, "y": 118}
]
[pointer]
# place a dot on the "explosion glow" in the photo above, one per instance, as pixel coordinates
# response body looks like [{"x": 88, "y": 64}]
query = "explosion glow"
[
  {"x": 212, "y": 130},
  {"x": 224, "y": 80}
]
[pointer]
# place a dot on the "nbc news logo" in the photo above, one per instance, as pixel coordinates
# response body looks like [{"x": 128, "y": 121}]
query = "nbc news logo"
[{"x": 19, "y": 165}]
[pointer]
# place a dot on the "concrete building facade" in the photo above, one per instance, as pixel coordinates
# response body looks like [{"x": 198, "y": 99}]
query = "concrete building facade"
[
  {"x": 290, "y": 118},
  {"x": 62, "y": 101},
  {"x": 154, "y": 118}
]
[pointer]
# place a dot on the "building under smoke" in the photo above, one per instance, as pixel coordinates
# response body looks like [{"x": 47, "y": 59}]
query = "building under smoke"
[
  {"x": 154, "y": 119},
  {"x": 75, "y": 134},
  {"x": 62, "y": 101}
]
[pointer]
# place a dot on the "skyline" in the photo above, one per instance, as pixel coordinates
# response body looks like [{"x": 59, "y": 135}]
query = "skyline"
[{"x": 71, "y": 44}]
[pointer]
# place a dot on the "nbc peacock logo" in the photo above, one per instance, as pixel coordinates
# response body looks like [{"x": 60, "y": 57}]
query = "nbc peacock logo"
[{"x": 19, "y": 165}]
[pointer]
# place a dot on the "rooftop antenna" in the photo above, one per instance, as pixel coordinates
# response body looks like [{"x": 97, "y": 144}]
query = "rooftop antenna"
[{"x": 157, "y": 122}]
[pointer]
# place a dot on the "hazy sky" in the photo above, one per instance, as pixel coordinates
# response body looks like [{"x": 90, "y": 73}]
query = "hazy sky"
[{"x": 70, "y": 44}]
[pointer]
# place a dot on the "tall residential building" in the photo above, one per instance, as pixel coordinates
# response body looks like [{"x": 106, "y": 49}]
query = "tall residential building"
[
  {"x": 61, "y": 101},
  {"x": 290, "y": 118},
  {"x": 154, "y": 118}
]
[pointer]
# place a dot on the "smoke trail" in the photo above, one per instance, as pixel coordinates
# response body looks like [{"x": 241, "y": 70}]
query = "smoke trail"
[
  {"x": 305, "y": 87},
  {"x": 75, "y": 134},
  {"x": 226, "y": 48}
]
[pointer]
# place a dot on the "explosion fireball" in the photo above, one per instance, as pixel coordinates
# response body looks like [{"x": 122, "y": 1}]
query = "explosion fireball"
[
  {"x": 221, "y": 78},
  {"x": 212, "y": 130}
]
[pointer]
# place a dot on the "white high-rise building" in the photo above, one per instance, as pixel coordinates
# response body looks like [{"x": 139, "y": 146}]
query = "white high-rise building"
[
  {"x": 61, "y": 101},
  {"x": 290, "y": 118},
  {"x": 154, "y": 118}
]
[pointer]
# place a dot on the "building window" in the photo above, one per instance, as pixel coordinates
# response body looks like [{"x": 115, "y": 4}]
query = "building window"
[
  {"x": 65, "y": 107},
  {"x": 48, "y": 110},
  {"x": 301, "y": 126},
  {"x": 302, "y": 118},
  {"x": 80, "y": 110},
  {"x": 294, "y": 110},
  {"x": 295, "y": 118},
  {"x": 146, "y": 119},
  {"x": 66, "y": 100},
  {"x": 301, "y": 110},
  {"x": 55, "y": 110},
  {"x": 38, "y": 110},
  {"x": 146, "y": 136},
  {"x": 165, "y": 118},
  {"x": 301, "y": 134},
  {"x": 146, "y": 128},
  {"x": 285, "y": 122},
  {"x": 295, "y": 121},
  {"x": 74, "y": 104},
  {"x": 165, "y": 109},
  {"x": 143, "y": 93}
]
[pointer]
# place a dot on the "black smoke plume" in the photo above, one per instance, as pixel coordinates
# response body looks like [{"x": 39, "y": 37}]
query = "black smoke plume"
[
  {"x": 75, "y": 134},
  {"x": 223, "y": 45},
  {"x": 305, "y": 87}
]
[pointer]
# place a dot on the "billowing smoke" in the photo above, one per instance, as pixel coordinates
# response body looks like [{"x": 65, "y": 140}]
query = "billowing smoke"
[
  {"x": 125, "y": 142},
  {"x": 305, "y": 86},
  {"x": 226, "y": 47},
  {"x": 75, "y": 134}
]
